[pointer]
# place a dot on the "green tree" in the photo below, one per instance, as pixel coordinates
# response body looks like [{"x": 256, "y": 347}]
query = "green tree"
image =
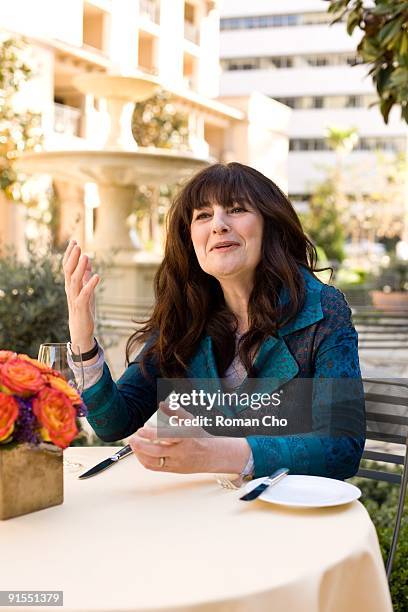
[
  {"x": 337, "y": 212},
  {"x": 383, "y": 47},
  {"x": 341, "y": 140},
  {"x": 329, "y": 204},
  {"x": 33, "y": 305},
  {"x": 360, "y": 213},
  {"x": 323, "y": 223},
  {"x": 20, "y": 130}
]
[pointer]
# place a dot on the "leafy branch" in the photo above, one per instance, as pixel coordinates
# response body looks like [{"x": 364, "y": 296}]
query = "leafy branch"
[
  {"x": 20, "y": 130},
  {"x": 383, "y": 47}
]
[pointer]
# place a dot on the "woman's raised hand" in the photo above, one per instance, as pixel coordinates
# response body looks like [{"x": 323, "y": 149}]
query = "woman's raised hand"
[{"x": 80, "y": 284}]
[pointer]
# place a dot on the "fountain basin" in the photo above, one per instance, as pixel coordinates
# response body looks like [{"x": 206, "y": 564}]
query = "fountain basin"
[
  {"x": 116, "y": 86},
  {"x": 146, "y": 166}
]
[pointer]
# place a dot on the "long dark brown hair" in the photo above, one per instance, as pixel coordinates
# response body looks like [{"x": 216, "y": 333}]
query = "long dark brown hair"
[{"x": 189, "y": 303}]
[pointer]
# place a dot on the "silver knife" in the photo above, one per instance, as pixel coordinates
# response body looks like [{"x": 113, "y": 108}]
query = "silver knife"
[
  {"x": 271, "y": 480},
  {"x": 107, "y": 463}
]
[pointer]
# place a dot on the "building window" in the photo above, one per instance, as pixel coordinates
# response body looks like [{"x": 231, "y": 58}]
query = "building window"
[
  {"x": 300, "y": 202},
  {"x": 287, "y": 101},
  {"x": 287, "y": 61},
  {"x": 353, "y": 102},
  {"x": 251, "y": 63},
  {"x": 282, "y": 62},
  {"x": 316, "y": 102},
  {"x": 274, "y": 21},
  {"x": 364, "y": 144},
  {"x": 94, "y": 27},
  {"x": 150, "y": 9},
  {"x": 147, "y": 53},
  {"x": 190, "y": 66},
  {"x": 66, "y": 119},
  {"x": 68, "y": 114},
  {"x": 191, "y": 30},
  {"x": 315, "y": 61}
]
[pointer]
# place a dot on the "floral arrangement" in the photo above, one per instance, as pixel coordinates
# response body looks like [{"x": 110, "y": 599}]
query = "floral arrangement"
[{"x": 36, "y": 403}]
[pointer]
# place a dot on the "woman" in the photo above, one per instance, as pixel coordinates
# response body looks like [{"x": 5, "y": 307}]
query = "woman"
[{"x": 236, "y": 262}]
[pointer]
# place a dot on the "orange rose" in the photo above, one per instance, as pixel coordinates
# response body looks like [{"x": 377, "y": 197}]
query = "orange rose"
[
  {"x": 56, "y": 414},
  {"x": 61, "y": 385},
  {"x": 8, "y": 414},
  {"x": 20, "y": 376},
  {"x": 6, "y": 355}
]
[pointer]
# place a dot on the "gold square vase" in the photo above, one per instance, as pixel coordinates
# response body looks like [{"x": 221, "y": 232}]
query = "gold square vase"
[{"x": 31, "y": 478}]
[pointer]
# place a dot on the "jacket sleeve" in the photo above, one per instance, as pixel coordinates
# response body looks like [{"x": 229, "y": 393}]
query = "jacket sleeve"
[
  {"x": 334, "y": 446},
  {"x": 118, "y": 409}
]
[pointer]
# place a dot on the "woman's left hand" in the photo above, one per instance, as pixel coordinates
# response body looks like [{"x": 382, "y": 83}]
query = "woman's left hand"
[{"x": 188, "y": 455}]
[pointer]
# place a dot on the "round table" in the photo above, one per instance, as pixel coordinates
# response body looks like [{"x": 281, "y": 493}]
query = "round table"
[{"x": 132, "y": 539}]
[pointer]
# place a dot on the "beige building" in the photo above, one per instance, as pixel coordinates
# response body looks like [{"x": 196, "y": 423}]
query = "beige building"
[{"x": 176, "y": 42}]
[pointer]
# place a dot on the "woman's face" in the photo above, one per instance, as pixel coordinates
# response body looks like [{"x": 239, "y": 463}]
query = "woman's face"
[{"x": 239, "y": 224}]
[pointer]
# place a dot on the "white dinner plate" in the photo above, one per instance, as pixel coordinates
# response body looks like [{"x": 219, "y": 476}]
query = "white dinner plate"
[{"x": 307, "y": 491}]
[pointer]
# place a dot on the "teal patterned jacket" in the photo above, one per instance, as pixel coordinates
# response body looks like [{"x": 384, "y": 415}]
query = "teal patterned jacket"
[{"x": 320, "y": 343}]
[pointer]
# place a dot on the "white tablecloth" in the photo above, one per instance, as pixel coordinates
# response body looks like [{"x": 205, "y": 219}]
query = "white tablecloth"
[{"x": 132, "y": 539}]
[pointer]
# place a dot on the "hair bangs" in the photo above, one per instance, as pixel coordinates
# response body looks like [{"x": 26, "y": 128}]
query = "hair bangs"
[{"x": 220, "y": 185}]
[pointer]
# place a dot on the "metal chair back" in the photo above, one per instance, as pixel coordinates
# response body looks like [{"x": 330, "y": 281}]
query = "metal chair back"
[{"x": 387, "y": 424}]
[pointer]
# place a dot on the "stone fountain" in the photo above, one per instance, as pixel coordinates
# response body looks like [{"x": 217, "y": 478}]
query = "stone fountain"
[{"x": 117, "y": 167}]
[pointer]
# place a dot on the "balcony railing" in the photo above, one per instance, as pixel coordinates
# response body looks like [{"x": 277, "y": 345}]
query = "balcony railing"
[
  {"x": 150, "y": 9},
  {"x": 67, "y": 119},
  {"x": 191, "y": 32},
  {"x": 149, "y": 69}
]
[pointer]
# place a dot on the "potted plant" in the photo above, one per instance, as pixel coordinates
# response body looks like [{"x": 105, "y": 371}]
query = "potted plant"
[
  {"x": 393, "y": 295},
  {"x": 38, "y": 419}
]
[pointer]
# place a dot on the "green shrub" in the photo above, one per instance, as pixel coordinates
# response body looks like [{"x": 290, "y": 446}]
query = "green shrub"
[
  {"x": 381, "y": 500},
  {"x": 33, "y": 306}
]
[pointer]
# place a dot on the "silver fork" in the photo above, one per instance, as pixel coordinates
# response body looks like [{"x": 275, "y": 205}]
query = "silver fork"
[{"x": 226, "y": 483}]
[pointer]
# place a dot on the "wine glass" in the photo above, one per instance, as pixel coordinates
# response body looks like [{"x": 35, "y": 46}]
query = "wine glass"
[{"x": 55, "y": 356}]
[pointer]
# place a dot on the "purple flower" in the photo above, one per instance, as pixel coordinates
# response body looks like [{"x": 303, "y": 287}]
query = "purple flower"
[
  {"x": 26, "y": 426},
  {"x": 81, "y": 410}
]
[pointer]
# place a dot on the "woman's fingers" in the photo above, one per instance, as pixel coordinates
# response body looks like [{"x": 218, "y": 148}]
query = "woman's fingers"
[
  {"x": 140, "y": 445},
  {"x": 78, "y": 274},
  {"x": 150, "y": 433},
  {"x": 154, "y": 463},
  {"x": 86, "y": 293},
  {"x": 149, "y": 452},
  {"x": 68, "y": 251},
  {"x": 80, "y": 283},
  {"x": 72, "y": 261},
  {"x": 87, "y": 274}
]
